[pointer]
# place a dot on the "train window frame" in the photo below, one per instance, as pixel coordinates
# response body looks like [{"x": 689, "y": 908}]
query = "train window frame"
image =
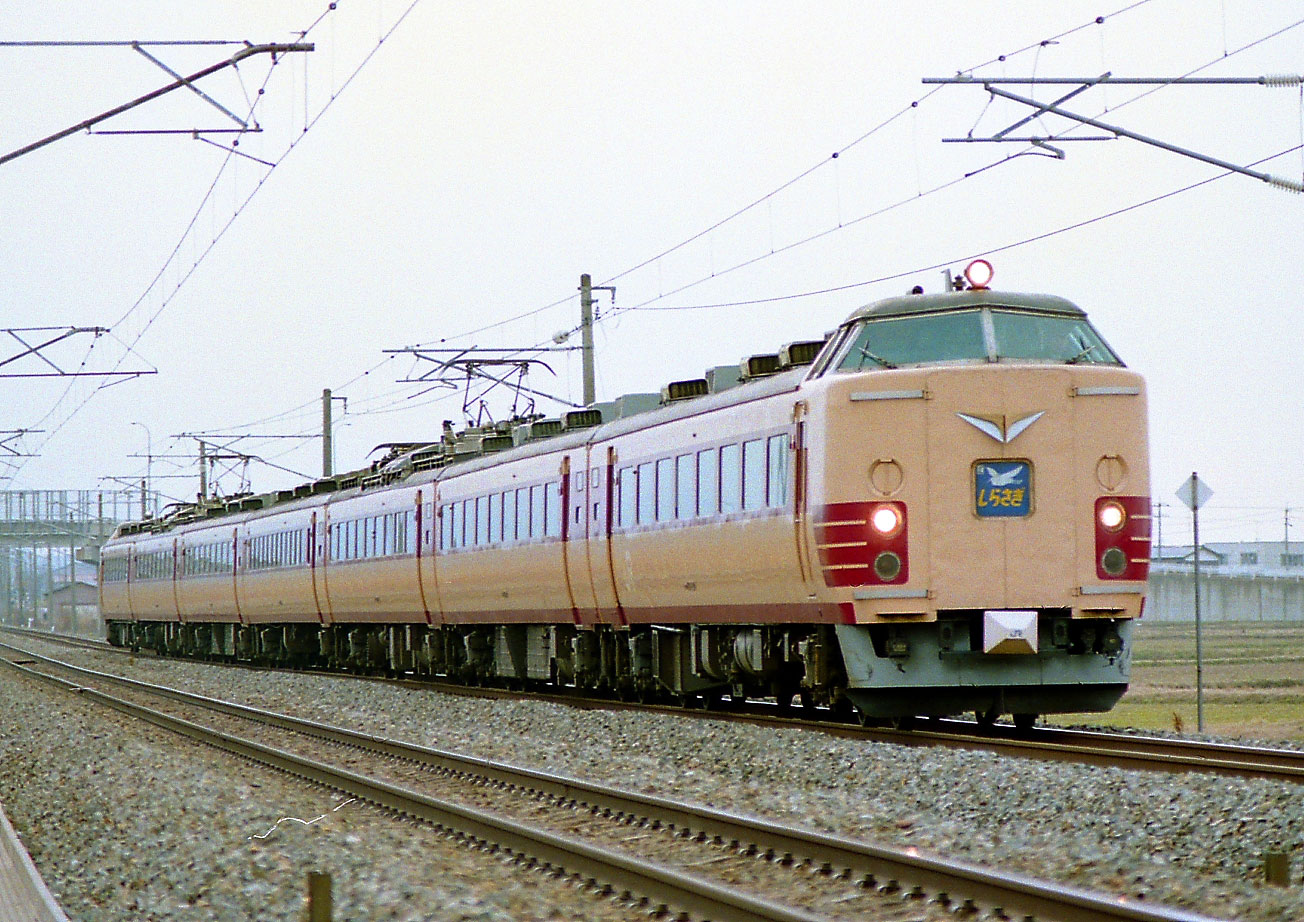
[
  {"x": 646, "y": 507},
  {"x": 665, "y": 493},
  {"x": 627, "y": 485},
  {"x": 536, "y": 511},
  {"x": 776, "y": 481},
  {"x": 686, "y": 486},
  {"x": 1084, "y": 341},
  {"x": 731, "y": 478},
  {"x": 552, "y": 509},
  {"x": 924, "y": 330},
  {"x": 755, "y": 470},
  {"x": 509, "y": 518},
  {"x": 708, "y": 473}
]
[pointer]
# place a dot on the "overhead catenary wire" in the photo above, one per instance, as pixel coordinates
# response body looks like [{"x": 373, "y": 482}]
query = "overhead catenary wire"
[{"x": 187, "y": 234}]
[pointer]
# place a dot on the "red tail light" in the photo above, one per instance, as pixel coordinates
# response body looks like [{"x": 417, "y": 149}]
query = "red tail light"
[
  {"x": 1122, "y": 537},
  {"x": 863, "y": 544}
]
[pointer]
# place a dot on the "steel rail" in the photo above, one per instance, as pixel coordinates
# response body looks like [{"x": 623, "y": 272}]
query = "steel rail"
[
  {"x": 1090, "y": 747},
  {"x": 560, "y": 854},
  {"x": 887, "y": 868}
]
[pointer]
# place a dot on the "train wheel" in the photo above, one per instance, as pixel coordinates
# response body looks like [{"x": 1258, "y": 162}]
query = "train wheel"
[
  {"x": 1025, "y": 721},
  {"x": 986, "y": 719}
]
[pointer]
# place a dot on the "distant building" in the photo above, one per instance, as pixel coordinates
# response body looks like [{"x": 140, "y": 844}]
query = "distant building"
[
  {"x": 1239, "y": 581},
  {"x": 75, "y": 607}
]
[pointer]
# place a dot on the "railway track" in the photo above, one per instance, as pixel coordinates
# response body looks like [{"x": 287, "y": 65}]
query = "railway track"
[
  {"x": 1092, "y": 747},
  {"x": 746, "y": 849}
]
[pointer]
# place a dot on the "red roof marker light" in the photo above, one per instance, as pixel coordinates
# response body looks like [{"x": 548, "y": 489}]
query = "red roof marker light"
[{"x": 979, "y": 274}]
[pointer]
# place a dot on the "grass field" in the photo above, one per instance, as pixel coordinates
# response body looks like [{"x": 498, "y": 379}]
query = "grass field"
[{"x": 1253, "y": 681}]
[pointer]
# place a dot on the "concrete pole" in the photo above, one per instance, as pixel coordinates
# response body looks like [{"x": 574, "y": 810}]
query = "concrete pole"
[
  {"x": 203, "y": 471},
  {"x": 327, "y": 449},
  {"x": 586, "y": 332}
]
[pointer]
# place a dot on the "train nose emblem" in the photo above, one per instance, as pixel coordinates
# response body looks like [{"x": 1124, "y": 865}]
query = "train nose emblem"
[{"x": 999, "y": 427}]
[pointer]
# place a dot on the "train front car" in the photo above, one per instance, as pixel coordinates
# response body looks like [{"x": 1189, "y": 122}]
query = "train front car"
[{"x": 979, "y": 507}]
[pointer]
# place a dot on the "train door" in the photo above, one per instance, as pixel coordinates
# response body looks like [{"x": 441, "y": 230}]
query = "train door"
[
  {"x": 800, "y": 493},
  {"x": 598, "y": 511},
  {"x": 429, "y": 529},
  {"x": 321, "y": 588},
  {"x": 178, "y": 570},
  {"x": 313, "y": 562},
  {"x": 579, "y": 588},
  {"x": 235, "y": 573}
]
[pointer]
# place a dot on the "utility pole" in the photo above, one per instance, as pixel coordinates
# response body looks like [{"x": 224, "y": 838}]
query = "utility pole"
[
  {"x": 327, "y": 449},
  {"x": 586, "y": 332},
  {"x": 203, "y": 471}
]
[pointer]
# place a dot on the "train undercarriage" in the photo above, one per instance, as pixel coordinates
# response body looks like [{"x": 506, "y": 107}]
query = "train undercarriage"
[
  {"x": 882, "y": 672},
  {"x": 688, "y": 664}
]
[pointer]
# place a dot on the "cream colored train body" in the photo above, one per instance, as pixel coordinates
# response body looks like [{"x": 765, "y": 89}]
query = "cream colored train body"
[{"x": 947, "y": 510}]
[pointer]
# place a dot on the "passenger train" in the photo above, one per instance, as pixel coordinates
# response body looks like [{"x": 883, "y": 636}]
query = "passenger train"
[{"x": 940, "y": 508}]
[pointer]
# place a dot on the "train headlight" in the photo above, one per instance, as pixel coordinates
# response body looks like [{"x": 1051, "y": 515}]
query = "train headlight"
[
  {"x": 979, "y": 274},
  {"x": 887, "y": 566},
  {"x": 1112, "y": 516},
  {"x": 1113, "y": 561},
  {"x": 886, "y": 520}
]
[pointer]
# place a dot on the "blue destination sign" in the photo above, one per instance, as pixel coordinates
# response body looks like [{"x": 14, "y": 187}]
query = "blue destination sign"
[{"x": 1002, "y": 488}]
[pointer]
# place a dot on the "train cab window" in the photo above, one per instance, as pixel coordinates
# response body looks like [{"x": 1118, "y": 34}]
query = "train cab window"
[
  {"x": 916, "y": 340},
  {"x": 1049, "y": 337},
  {"x": 708, "y": 482},
  {"x": 777, "y": 487},
  {"x": 686, "y": 481},
  {"x": 647, "y": 493},
  {"x": 731, "y": 479},
  {"x": 665, "y": 489},
  {"x": 754, "y": 480}
]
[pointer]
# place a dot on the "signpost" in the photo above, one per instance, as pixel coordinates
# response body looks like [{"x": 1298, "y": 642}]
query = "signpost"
[{"x": 1195, "y": 493}]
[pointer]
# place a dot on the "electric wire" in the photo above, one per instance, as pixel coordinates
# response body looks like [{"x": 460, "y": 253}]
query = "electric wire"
[{"x": 187, "y": 233}]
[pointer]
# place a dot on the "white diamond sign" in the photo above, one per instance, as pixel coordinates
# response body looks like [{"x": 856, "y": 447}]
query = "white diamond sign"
[{"x": 1194, "y": 493}]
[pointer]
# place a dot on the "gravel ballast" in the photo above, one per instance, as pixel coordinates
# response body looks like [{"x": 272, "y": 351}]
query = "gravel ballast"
[
  {"x": 129, "y": 822},
  {"x": 1190, "y": 840}
]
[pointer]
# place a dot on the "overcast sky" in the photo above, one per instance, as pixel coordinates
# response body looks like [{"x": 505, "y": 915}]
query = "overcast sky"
[{"x": 489, "y": 153}]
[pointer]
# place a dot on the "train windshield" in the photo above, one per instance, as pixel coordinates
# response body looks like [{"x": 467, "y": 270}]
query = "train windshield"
[{"x": 978, "y": 335}]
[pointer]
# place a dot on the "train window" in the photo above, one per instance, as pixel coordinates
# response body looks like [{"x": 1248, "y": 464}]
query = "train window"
[
  {"x": 914, "y": 340},
  {"x": 509, "y": 515},
  {"x": 536, "y": 511},
  {"x": 595, "y": 479},
  {"x": 495, "y": 518},
  {"x": 647, "y": 493},
  {"x": 686, "y": 481},
  {"x": 665, "y": 489},
  {"x": 1049, "y": 338},
  {"x": 458, "y": 522},
  {"x": 777, "y": 491},
  {"x": 522, "y": 513},
  {"x": 482, "y": 520},
  {"x": 553, "y": 491},
  {"x": 754, "y": 480},
  {"x": 708, "y": 482},
  {"x": 627, "y": 483},
  {"x": 731, "y": 479}
]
